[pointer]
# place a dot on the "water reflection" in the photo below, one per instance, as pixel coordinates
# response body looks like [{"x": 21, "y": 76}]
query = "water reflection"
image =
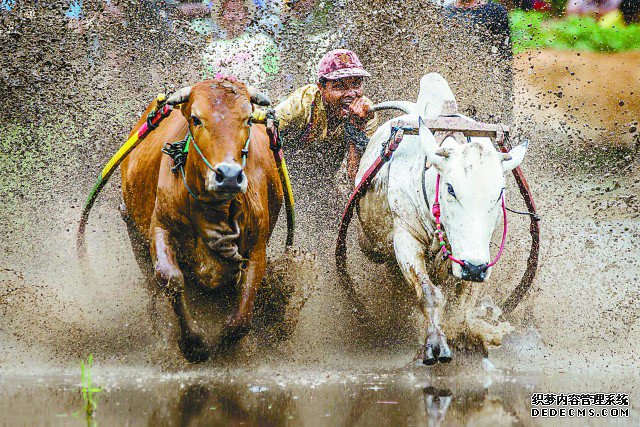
[
  {"x": 273, "y": 399},
  {"x": 224, "y": 404},
  {"x": 436, "y": 403},
  {"x": 193, "y": 400}
]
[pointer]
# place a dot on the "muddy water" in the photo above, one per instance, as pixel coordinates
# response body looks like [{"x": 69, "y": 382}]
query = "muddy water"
[
  {"x": 585, "y": 166},
  {"x": 238, "y": 397},
  {"x": 592, "y": 96}
]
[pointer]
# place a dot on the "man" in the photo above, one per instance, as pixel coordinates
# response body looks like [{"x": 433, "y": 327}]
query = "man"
[{"x": 332, "y": 116}]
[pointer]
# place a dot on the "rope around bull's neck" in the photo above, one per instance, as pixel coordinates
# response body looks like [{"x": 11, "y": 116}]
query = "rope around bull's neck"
[
  {"x": 178, "y": 152},
  {"x": 440, "y": 233},
  {"x": 245, "y": 149},
  {"x": 424, "y": 192}
]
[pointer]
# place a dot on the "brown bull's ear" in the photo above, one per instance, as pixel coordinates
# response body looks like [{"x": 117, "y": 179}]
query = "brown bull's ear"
[
  {"x": 258, "y": 97},
  {"x": 180, "y": 96}
]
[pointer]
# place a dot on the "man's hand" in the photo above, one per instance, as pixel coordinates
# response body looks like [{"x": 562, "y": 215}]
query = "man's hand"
[{"x": 360, "y": 112}]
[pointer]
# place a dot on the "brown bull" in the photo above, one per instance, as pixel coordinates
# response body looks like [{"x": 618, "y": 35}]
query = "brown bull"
[{"x": 212, "y": 223}]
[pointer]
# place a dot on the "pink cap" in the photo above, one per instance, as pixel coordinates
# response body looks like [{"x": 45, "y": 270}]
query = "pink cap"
[{"x": 340, "y": 63}]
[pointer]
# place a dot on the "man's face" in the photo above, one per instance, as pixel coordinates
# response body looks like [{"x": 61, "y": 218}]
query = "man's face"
[{"x": 338, "y": 95}]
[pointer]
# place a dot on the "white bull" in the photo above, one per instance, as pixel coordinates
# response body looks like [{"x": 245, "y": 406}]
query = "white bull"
[{"x": 397, "y": 221}]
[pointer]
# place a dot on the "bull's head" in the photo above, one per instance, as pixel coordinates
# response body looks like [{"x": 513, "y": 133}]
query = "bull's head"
[
  {"x": 218, "y": 113},
  {"x": 472, "y": 179}
]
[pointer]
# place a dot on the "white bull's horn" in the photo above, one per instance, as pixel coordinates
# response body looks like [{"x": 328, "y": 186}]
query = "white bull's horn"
[
  {"x": 258, "y": 97},
  {"x": 179, "y": 96},
  {"x": 406, "y": 106}
]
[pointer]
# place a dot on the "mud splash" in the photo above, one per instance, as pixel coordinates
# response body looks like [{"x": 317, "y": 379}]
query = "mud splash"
[{"x": 581, "y": 314}]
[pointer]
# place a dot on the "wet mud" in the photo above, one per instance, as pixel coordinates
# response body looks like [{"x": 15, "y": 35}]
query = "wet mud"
[{"x": 73, "y": 100}]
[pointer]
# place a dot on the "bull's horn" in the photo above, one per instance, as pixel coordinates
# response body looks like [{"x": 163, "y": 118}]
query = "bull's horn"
[
  {"x": 258, "y": 97},
  {"x": 406, "y": 106},
  {"x": 179, "y": 96},
  {"x": 506, "y": 157}
]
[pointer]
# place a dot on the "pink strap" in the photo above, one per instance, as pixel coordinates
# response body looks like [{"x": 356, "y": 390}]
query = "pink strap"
[{"x": 435, "y": 210}]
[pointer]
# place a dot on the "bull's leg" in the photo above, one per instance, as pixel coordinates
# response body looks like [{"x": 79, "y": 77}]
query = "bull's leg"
[
  {"x": 239, "y": 323},
  {"x": 411, "y": 260},
  {"x": 138, "y": 244},
  {"x": 171, "y": 281}
]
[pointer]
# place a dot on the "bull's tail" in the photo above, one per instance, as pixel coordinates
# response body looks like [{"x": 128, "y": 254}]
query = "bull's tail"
[{"x": 84, "y": 218}]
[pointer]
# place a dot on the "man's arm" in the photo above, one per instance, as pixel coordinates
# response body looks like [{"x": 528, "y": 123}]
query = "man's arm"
[
  {"x": 372, "y": 125},
  {"x": 353, "y": 161},
  {"x": 294, "y": 113},
  {"x": 358, "y": 130}
]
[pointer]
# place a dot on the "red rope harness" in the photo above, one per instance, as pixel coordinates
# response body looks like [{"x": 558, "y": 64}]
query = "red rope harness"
[
  {"x": 435, "y": 210},
  {"x": 532, "y": 262},
  {"x": 361, "y": 188}
]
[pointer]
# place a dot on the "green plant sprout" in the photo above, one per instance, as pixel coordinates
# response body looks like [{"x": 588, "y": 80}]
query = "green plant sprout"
[{"x": 89, "y": 392}]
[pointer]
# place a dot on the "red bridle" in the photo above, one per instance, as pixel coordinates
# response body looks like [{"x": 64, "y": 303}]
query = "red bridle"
[{"x": 445, "y": 253}]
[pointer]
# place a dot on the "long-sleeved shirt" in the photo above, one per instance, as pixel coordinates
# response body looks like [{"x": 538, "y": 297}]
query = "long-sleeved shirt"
[{"x": 304, "y": 123}]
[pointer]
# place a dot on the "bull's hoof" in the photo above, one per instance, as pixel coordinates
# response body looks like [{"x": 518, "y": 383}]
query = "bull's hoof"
[
  {"x": 437, "y": 350},
  {"x": 193, "y": 349},
  {"x": 428, "y": 358},
  {"x": 445, "y": 355}
]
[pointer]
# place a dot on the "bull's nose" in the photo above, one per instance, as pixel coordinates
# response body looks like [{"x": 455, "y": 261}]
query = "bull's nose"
[
  {"x": 229, "y": 177},
  {"x": 474, "y": 273}
]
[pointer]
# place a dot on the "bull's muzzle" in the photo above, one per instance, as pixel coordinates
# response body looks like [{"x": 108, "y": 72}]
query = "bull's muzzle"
[
  {"x": 474, "y": 273},
  {"x": 228, "y": 178}
]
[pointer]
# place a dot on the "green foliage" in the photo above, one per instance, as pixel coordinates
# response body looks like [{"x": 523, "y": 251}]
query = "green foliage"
[
  {"x": 558, "y": 6},
  {"x": 535, "y": 30}
]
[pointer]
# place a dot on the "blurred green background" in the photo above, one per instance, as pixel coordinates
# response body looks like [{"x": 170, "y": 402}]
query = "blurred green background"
[{"x": 541, "y": 30}]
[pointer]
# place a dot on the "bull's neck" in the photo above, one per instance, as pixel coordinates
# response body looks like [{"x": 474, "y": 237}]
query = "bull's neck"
[{"x": 224, "y": 212}]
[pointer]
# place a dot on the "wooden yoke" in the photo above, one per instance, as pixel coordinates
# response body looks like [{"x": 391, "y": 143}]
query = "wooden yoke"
[{"x": 452, "y": 124}]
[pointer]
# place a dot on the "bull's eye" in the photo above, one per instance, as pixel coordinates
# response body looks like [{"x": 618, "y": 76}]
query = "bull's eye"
[
  {"x": 196, "y": 121},
  {"x": 450, "y": 190}
]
